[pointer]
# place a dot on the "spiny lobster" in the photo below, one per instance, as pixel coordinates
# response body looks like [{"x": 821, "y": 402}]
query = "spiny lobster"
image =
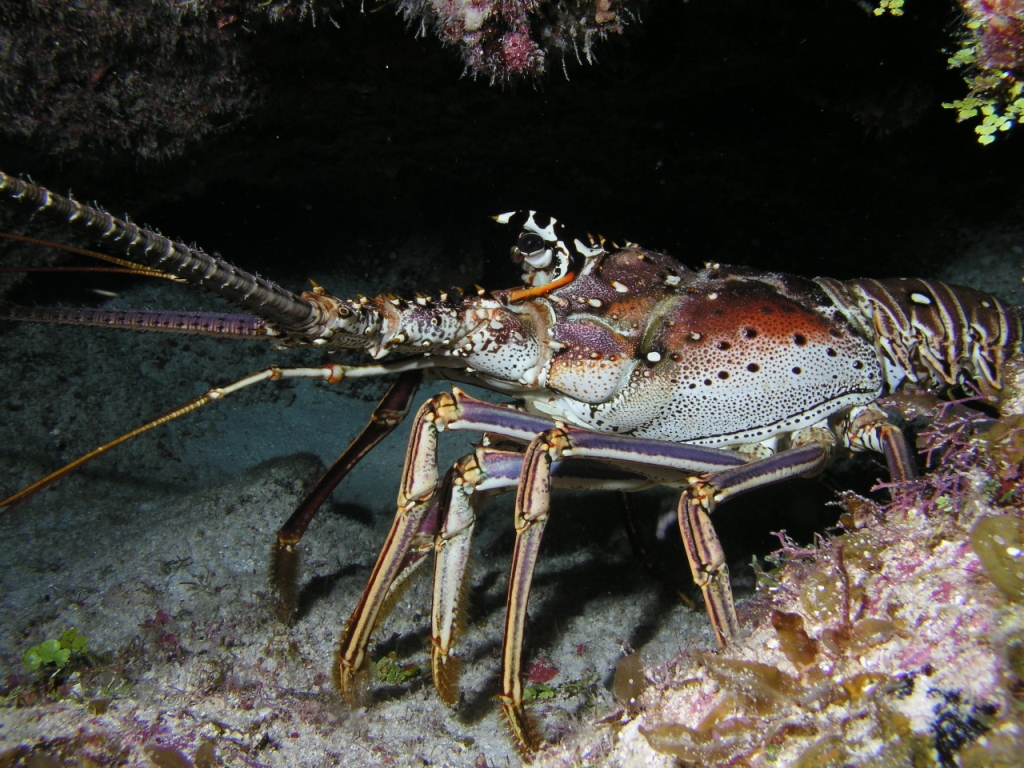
[{"x": 627, "y": 370}]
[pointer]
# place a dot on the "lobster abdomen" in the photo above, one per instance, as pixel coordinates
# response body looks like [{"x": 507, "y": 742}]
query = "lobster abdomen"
[{"x": 937, "y": 335}]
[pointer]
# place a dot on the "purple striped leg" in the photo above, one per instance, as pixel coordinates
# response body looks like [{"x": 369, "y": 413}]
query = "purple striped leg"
[
  {"x": 388, "y": 414},
  {"x": 410, "y": 539},
  {"x": 420, "y": 526},
  {"x": 703, "y": 549},
  {"x": 661, "y": 462},
  {"x": 483, "y": 472},
  {"x": 474, "y": 474},
  {"x": 863, "y": 429}
]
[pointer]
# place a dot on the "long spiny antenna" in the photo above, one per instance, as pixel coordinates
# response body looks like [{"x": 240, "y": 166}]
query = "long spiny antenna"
[{"x": 263, "y": 298}]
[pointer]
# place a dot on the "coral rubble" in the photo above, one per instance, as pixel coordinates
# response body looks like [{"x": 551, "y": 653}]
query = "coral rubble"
[
  {"x": 149, "y": 78},
  {"x": 504, "y": 39},
  {"x": 895, "y": 643}
]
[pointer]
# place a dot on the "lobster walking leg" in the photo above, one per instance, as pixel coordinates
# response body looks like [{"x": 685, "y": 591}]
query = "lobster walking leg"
[
  {"x": 388, "y": 414},
  {"x": 703, "y": 549},
  {"x": 531, "y": 514},
  {"x": 440, "y": 516},
  {"x": 418, "y": 518},
  {"x": 488, "y": 470},
  {"x": 408, "y": 542},
  {"x": 867, "y": 428},
  {"x": 863, "y": 429},
  {"x": 483, "y": 470}
]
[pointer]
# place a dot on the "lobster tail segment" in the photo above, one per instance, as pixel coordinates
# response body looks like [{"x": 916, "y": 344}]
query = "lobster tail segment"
[
  {"x": 266, "y": 299},
  {"x": 938, "y": 335}
]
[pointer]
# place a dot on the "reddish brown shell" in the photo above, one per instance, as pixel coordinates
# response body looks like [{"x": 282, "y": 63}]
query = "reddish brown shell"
[{"x": 718, "y": 357}]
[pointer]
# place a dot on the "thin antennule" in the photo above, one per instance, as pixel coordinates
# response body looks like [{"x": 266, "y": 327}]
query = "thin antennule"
[
  {"x": 331, "y": 373},
  {"x": 129, "y": 266}
]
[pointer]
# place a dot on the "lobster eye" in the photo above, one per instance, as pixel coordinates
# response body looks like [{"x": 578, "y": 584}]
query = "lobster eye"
[{"x": 529, "y": 243}]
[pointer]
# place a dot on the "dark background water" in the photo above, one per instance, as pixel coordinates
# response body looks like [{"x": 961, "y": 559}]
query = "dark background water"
[{"x": 779, "y": 135}]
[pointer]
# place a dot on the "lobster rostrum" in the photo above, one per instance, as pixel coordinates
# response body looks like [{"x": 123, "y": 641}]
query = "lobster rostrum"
[{"x": 626, "y": 370}]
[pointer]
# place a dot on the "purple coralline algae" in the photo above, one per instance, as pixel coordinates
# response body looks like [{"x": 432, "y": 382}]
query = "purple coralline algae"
[
  {"x": 998, "y": 27},
  {"x": 502, "y": 40},
  {"x": 153, "y": 78},
  {"x": 897, "y": 642}
]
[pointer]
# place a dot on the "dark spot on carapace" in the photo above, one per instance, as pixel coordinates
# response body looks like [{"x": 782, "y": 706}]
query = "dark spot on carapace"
[
  {"x": 831, "y": 352},
  {"x": 799, "y": 339},
  {"x": 707, "y": 382},
  {"x": 835, "y": 333},
  {"x": 797, "y": 370},
  {"x": 753, "y": 367},
  {"x": 749, "y": 333},
  {"x": 723, "y": 375},
  {"x": 857, "y": 364},
  {"x": 723, "y": 345}
]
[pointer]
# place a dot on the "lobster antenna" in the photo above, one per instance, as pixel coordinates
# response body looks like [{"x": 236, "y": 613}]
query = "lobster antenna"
[
  {"x": 331, "y": 373},
  {"x": 92, "y": 270},
  {"x": 207, "y": 323},
  {"x": 262, "y": 297}
]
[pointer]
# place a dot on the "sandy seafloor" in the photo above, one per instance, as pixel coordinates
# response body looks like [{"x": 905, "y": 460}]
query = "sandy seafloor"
[{"x": 158, "y": 554}]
